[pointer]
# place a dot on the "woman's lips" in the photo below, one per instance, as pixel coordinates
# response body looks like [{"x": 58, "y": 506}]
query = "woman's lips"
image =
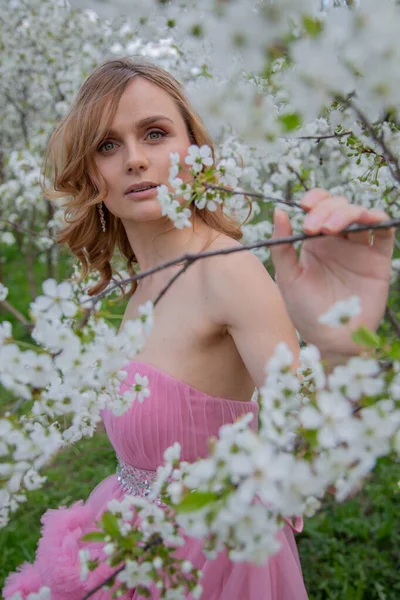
[{"x": 142, "y": 195}]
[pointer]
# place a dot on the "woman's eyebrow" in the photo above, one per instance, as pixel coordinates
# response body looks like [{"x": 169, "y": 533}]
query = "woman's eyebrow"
[{"x": 145, "y": 122}]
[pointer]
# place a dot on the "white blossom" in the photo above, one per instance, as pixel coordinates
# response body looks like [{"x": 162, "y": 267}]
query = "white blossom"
[
  {"x": 199, "y": 157},
  {"x": 230, "y": 172},
  {"x": 172, "y": 453},
  {"x": 84, "y": 557},
  {"x": 175, "y": 166},
  {"x": 341, "y": 313},
  {"x": 56, "y": 302},
  {"x": 5, "y": 331},
  {"x": 3, "y": 292}
]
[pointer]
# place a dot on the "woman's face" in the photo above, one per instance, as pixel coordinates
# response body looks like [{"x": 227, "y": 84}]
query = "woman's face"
[{"x": 147, "y": 126}]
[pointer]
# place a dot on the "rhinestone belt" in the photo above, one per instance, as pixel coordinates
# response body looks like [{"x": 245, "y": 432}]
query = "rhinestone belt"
[{"x": 135, "y": 481}]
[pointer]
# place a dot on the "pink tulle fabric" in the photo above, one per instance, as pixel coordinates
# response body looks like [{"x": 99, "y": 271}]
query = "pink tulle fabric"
[{"x": 175, "y": 411}]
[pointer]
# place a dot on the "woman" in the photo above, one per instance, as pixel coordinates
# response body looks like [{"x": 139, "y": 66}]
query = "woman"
[{"x": 215, "y": 328}]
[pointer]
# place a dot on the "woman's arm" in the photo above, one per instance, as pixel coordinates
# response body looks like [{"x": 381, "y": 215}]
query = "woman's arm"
[{"x": 244, "y": 298}]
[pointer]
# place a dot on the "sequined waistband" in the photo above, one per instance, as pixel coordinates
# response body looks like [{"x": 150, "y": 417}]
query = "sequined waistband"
[{"x": 133, "y": 480}]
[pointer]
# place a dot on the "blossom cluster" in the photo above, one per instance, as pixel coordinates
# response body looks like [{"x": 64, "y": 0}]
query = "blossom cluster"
[
  {"x": 199, "y": 191},
  {"x": 73, "y": 373},
  {"x": 316, "y": 431},
  {"x": 151, "y": 536}
]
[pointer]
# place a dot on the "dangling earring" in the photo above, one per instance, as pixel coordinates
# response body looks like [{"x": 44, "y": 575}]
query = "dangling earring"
[{"x": 102, "y": 219}]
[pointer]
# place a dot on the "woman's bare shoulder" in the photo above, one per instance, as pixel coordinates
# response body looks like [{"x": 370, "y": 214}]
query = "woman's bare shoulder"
[
  {"x": 222, "y": 241},
  {"x": 238, "y": 258},
  {"x": 226, "y": 274}
]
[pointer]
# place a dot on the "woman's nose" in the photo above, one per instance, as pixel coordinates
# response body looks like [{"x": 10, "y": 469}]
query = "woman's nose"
[{"x": 136, "y": 159}]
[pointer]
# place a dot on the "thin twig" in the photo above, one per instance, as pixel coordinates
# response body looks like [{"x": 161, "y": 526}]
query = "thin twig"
[
  {"x": 299, "y": 177},
  {"x": 22, "y": 115},
  {"x": 17, "y": 406},
  {"x": 323, "y": 137},
  {"x": 15, "y": 312},
  {"x": 393, "y": 319},
  {"x": 391, "y": 159},
  {"x": 171, "y": 281},
  {"x": 210, "y": 186},
  {"x": 28, "y": 231},
  {"x": 103, "y": 583},
  {"x": 154, "y": 542},
  {"x": 191, "y": 258}
]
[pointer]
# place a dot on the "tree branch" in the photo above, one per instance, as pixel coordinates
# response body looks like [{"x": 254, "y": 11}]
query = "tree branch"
[
  {"x": 189, "y": 259},
  {"x": 221, "y": 188},
  {"x": 15, "y": 312}
]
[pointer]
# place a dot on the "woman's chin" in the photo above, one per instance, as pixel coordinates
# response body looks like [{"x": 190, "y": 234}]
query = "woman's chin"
[{"x": 144, "y": 213}]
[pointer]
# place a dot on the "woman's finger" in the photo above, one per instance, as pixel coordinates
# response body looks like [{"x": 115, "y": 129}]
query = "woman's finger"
[
  {"x": 343, "y": 218},
  {"x": 321, "y": 212},
  {"x": 313, "y": 197},
  {"x": 382, "y": 239}
]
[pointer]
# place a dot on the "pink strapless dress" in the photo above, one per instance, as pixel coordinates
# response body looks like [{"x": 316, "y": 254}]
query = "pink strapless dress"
[{"x": 175, "y": 411}]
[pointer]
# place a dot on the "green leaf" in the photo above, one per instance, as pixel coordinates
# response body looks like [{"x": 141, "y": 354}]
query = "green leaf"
[
  {"x": 351, "y": 140},
  {"x": 205, "y": 72},
  {"x": 95, "y": 536},
  {"x": 365, "y": 337},
  {"x": 197, "y": 30},
  {"x": 196, "y": 500},
  {"x": 144, "y": 591},
  {"x": 110, "y": 524},
  {"x": 290, "y": 121},
  {"x": 312, "y": 26},
  {"x": 394, "y": 351}
]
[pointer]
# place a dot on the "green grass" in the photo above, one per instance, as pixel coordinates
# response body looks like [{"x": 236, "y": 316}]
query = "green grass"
[
  {"x": 351, "y": 551},
  {"x": 73, "y": 475}
]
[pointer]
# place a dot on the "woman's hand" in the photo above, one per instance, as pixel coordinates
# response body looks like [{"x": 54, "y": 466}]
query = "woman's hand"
[{"x": 333, "y": 269}]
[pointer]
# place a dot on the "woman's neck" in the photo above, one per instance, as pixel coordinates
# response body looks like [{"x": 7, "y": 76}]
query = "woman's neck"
[{"x": 157, "y": 242}]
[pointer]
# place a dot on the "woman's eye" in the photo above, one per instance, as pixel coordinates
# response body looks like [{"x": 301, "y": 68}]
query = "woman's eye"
[
  {"x": 157, "y": 133},
  {"x": 153, "y": 135},
  {"x": 104, "y": 144}
]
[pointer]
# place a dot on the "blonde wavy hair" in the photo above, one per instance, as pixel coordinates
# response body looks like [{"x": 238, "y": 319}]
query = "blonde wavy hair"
[{"x": 70, "y": 162}]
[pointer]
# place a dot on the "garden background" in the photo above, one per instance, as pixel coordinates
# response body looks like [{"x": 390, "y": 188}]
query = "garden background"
[{"x": 349, "y": 551}]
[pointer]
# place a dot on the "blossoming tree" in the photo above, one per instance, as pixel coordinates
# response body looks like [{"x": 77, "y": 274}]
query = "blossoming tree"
[{"x": 314, "y": 97}]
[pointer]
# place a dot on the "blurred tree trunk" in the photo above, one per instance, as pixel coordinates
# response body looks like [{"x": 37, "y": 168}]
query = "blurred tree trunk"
[{"x": 49, "y": 252}]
